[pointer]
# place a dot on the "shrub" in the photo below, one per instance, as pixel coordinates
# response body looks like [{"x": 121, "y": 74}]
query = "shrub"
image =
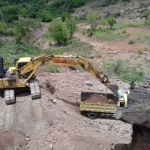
[
  {"x": 18, "y": 38},
  {"x": 117, "y": 14},
  {"x": 145, "y": 15},
  {"x": 65, "y": 15},
  {"x": 93, "y": 19},
  {"x": 46, "y": 18},
  {"x": 59, "y": 33},
  {"x": 111, "y": 22},
  {"x": 90, "y": 32},
  {"x": 10, "y": 13},
  {"x": 131, "y": 42},
  {"x": 140, "y": 52},
  {"x": 20, "y": 27},
  {"x": 71, "y": 25}
]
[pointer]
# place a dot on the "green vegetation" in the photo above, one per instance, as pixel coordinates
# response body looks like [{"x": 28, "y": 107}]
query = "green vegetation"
[
  {"x": 145, "y": 15},
  {"x": 140, "y": 52},
  {"x": 9, "y": 51},
  {"x": 71, "y": 25},
  {"x": 59, "y": 33},
  {"x": 111, "y": 22},
  {"x": 117, "y": 14},
  {"x": 65, "y": 15},
  {"x": 143, "y": 37},
  {"x": 12, "y": 10},
  {"x": 131, "y": 42},
  {"x": 122, "y": 70},
  {"x": 107, "y": 34},
  {"x": 62, "y": 32},
  {"x": 75, "y": 47},
  {"x": 93, "y": 18},
  {"x": 3, "y": 28}
]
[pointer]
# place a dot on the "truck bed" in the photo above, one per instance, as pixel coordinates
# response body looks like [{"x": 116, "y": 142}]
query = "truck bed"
[{"x": 95, "y": 107}]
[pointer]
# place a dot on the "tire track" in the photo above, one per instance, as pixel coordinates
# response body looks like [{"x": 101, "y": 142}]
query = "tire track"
[
  {"x": 39, "y": 115},
  {"x": 9, "y": 118}
]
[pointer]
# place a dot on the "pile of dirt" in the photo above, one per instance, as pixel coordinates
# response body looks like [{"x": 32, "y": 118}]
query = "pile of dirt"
[{"x": 98, "y": 98}]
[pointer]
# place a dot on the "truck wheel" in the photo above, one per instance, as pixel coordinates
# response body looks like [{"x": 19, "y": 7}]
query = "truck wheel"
[{"x": 92, "y": 115}]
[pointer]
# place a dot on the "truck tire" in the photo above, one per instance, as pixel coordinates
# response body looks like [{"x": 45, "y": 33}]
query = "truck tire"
[{"x": 92, "y": 115}]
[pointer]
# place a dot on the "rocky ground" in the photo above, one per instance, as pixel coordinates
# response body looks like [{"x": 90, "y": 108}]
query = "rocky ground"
[{"x": 54, "y": 121}]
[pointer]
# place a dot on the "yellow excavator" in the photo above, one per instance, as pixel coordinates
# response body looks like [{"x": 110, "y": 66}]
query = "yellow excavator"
[{"x": 24, "y": 75}]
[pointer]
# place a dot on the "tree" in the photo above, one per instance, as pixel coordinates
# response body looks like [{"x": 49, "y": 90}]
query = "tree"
[
  {"x": 10, "y": 13},
  {"x": 71, "y": 25},
  {"x": 93, "y": 19},
  {"x": 111, "y": 22},
  {"x": 59, "y": 33}
]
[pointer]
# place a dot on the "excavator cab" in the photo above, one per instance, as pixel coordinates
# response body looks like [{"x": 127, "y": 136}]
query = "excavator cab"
[
  {"x": 22, "y": 62},
  {"x": 19, "y": 63}
]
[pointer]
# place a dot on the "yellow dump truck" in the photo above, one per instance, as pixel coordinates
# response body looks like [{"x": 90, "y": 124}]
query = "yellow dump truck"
[{"x": 101, "y": 104}]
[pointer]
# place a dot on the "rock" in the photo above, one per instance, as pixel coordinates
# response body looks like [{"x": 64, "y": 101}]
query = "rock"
[
  {"x": 65, "y": 130},
  {"x": 54, "y": 100},
  {"x": 27, "y": 139},
  {"x": 101, "y": 89},
  {"x": 148, "y": 59},
  {"x": 50, "y": 147},
  {"x": 114, "y": 52},
  {"x": 88, "y": 83}
]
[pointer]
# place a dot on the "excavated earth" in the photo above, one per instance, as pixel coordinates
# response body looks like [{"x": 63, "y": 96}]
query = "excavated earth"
[
  {"x": 54, "y": 121},
  {"x": 138, "y": 114}
]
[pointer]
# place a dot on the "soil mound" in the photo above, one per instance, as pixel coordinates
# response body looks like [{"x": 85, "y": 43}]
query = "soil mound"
[{"x": 98, "y": 98}]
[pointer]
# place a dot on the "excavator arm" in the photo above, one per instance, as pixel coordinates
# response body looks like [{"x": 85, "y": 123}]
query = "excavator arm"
[{"x": 28, "y": 70}]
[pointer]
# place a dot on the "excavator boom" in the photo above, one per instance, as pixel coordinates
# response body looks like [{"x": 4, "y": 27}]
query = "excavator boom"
[
  {"x": 23, "y": 75},
  {"x": 60, "y": 60}
]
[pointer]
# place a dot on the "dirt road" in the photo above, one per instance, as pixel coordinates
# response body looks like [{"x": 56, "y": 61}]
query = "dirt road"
[{"x": 43, "y": 125}]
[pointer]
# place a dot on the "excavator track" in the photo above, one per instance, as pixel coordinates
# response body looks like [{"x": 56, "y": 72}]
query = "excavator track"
[
  {"x": 35, "y": 89},
  {"x": 9, "y": 96}
]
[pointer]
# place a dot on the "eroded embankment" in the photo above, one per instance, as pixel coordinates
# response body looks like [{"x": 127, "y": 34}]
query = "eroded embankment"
[{"x": 138, "y": 114}]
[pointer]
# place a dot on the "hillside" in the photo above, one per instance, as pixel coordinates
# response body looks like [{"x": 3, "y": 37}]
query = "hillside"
[{"x": 121, "y": 51}]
